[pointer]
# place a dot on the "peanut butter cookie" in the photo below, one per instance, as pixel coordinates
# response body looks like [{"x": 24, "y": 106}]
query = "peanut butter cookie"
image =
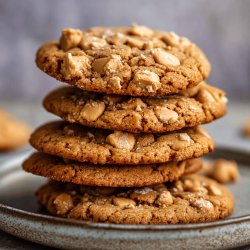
[
  {"x": 222, "y": 170},
  {"x": 191, "y": 199},
  {"x": 136, "y": 61},
  {"x": 199, "y": 105},
  {"x": 59, "y": 169},
  {"x": 13, "y": 133},
  {"x": 99, "y": 146}
]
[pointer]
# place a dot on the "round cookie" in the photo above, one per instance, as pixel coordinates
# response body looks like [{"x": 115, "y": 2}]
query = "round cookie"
[
  {"x": 98, "y": 146},
  {"x": 58, "y": 169},
  {"x": 135, "y": 61},
  {"x": 200, "y": 105},
  {"x": 13, "y": 133},
  {"x": 192, "y": 199}
]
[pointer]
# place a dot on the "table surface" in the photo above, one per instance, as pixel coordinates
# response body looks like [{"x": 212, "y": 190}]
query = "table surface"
[{"x": 226, "y": 132}]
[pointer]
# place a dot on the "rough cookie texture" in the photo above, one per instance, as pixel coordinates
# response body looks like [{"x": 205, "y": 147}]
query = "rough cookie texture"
[
  {"x": 13, "y": 133},
  {"x": 145, "y": 114},
  {"x": 125, "y": 61},
  {"x": 73, "y": 141},
  {"x": 190, "y": 200},
  {"x": 56, "y": 168}
]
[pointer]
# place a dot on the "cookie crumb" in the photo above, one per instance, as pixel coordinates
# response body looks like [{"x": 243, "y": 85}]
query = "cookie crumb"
[{"x": 221, "y": 170}]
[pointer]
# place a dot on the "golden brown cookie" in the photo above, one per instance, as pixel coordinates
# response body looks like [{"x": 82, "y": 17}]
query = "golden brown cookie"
[
  {"x": 99, "y": 146},
  {"x": 13, "y": 133},
  {"x": 190, "y": 200},
  {"x": 58, "y": 169},
  {"x": 135, "y": 61},
  {"x": 221, "y": 170},
  {"x": 155, "y": 115}
]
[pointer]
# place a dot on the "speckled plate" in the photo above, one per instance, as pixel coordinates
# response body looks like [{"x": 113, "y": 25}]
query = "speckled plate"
[{"x": 20, "y": 216}]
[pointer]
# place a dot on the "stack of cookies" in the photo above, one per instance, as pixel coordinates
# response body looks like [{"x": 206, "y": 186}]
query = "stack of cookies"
[{"x": 130, "y": 138}]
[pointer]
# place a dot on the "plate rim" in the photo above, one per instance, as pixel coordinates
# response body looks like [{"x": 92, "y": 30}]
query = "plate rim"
[
  {"x": 7, "y": 210},
  {"x": 36, "y": 217}
]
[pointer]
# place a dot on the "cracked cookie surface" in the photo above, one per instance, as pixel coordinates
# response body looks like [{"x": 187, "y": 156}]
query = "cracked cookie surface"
[
  {"x": 99, "y": 146},
  {"x": 135, "y": 61},
  {"x": 191, "y": 199},
  {"x": 59, "y": 169},
  {"x": 199, "y": 105}
]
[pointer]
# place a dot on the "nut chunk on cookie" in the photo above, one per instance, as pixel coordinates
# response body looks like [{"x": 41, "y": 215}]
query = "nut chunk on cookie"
[
  {"x": 107, "y": 64},
  {"x": 166, "y": 115},
  {"x": 124, "y": 202},
  {"x": 145, "y": 80},
  {"x": 141, "y": 30},
  {"x": 70, "y": 38},
  {"x": 92, "y": 110},
  {"x": 74, "y": 65},
  {"x": 165, "y": 58},
  {"x": 121, "y": 140}
]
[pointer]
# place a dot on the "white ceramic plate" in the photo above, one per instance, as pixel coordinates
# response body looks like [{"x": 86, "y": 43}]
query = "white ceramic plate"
[{"x": 20, "y": 216}]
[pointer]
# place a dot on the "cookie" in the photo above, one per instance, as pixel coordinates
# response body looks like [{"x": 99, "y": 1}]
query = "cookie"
[
  {"x": 135, "y": 61},
  {"x": 222, "y": 170},
  {"x": 56, "y": 168},
  {"x": 13, "y": 133},
  {"x": 83, "y": 144},
  {"x": 190, "y": 200},
  {"x": 200, "y": 105}
]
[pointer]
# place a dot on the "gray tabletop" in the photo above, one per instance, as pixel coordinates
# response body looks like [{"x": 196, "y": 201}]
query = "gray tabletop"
[{"x": 226, "y": 132}]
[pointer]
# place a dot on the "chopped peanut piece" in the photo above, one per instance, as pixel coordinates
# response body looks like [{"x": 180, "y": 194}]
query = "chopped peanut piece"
[
  {"x": 92, "y": 110},
  {"x": 121, "y": 140},
  {"x": 165, "y": 58},
  {"x": 70, "y": 38}
]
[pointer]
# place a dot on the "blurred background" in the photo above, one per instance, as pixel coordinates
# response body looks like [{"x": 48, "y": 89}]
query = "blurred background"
[{"x": 220, "y": 28}]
